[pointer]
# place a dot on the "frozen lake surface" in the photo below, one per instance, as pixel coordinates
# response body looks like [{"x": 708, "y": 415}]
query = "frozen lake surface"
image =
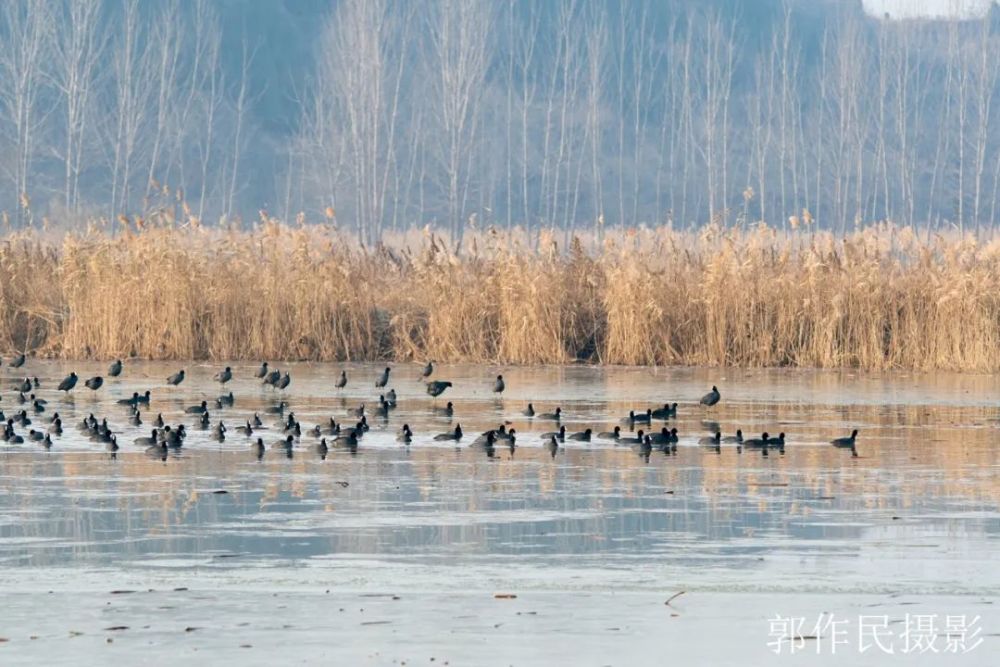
[{"x": 435, "y": 554}]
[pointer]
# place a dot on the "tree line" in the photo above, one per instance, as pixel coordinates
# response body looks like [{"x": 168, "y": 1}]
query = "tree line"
[{"x": 580, "y": 113}]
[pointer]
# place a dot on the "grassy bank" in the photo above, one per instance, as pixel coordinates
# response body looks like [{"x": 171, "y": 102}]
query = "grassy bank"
[{"x": 883, "y": 297}]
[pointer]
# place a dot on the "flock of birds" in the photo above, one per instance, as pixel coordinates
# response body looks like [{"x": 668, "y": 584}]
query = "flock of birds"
[{"x": 164, "y": 437}]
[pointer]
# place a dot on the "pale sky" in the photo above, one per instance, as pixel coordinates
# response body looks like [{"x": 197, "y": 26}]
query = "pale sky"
[{"x": 926, "y": 8}]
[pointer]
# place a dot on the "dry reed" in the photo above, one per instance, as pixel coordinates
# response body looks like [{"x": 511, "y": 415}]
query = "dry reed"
[{"x": 883, "y": 297}]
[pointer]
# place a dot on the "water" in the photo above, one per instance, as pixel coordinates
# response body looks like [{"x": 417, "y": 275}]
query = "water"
[{"x": 398, "y": 553}]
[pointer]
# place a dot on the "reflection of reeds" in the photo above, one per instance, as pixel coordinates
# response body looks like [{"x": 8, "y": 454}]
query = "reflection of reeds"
[{"x": 883, "y": 297}]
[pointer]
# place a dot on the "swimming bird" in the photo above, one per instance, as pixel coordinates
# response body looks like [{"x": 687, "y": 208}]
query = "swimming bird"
[
  {"x": 257, "y": 448},
  {"x": 111, "y": 446},
  {"x": 511, "y": 442},
  {"x": 447, "y": 411},
  {"x": 552, "y": 446},
  {"x": 644, "y": 448},
  {"x": 272, "y": 378},
  {"x": 487, "y": 441},
  {"x": 142, "y": 399},
  {"x": 103, "y": 432},
  {"x": 668, "y": 410},
  {"x": 712, "y": 397},
  {"x": 390, "y": 398},
  {"x": 437, "y": 387},
  {"x": 333, "y": 428},
  {"x": 405, "y": 435},
  {"x": 322, "y": 449},
  {"x": 493, "y": 434},
  {"x": 342, "y": 382},
  {"x": 145, "y": 441},
  {"x": 223, "y": 376},
  {"x": 197, "y": 409},
  {"x": 778, "y": 442},
  {"x": 640, "y": 418},
  {"x": 278, "y": 409},
  {"x": 382, "y": 379},
  {"x": 56, "y": 427},
  {"x": 498, "y": 385},
  {"x": 158, "y": 450},
  {"x": 135, "y": 419},
  {"x": 175, "y": 437},
  {"x": 502, "y": 434},
  {"x": 348, "y": 441},
  {"x": 559, "y": 435},
  {"x": 262, "y": 371},
  {"x": 557, "y": 415},
  {"x": 84, "y": 425},
  {"x": 176, "y": 378},
  {"x": 226, "y": 400},
  {"x": 94, "y": 383},
  {"x": 734, "y": 439},
  {"x": 428, "y": 369},
  {"x": 17, "y": 361},
  {"x": 257, "y": 423},
  {"x": 664, "y": 437},
  {"x": 23, "y": 385},
  {"x": 245, "y": 430},
  {"x": 115, "y": 369},
  {"x": 529, "y": 411},
  {"x": 713, "y": 440},
  {"x": 37, "y": 406},
  {"x": 611, "y": 435},
  {"x": 757, "y": 442},
  {"x": 158, "y": 421},
  {"x": 583, "y": 436},
  {"x": 285, "y": 380},
  {"x": 846, "y": 442},
  {"x": 129, "y": 401},
  {"x": 35, "y": 436},
  {"x": 68, "y": 383},
  {"x": 637, "y": 440},
  {"x": 205, "y": 421},
  {"x": 451, "y": 435},
  {"x": 383, "y": 407}
]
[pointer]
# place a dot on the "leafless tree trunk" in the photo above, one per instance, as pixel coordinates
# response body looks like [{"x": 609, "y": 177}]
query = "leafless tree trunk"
[
  {"x": 24, "y": 30},
  {"x": 165, "y": 47},
  {"x": 241, "y": 103},
  {"x": 77, "y": 48},
  {"x": 458, "y": 31}
]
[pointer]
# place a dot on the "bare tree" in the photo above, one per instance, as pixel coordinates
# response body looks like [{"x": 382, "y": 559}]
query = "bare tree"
[
  {"x": 165, "y": 48},
  {"x": 131, "y": 89},
  {"x": 458, "y": 33},
  {"x": 241, "y": 102},
  {"x": 78, "y": 46},
  {"x": 24, "y": 28},
  {"x": 984, "y": 72}
]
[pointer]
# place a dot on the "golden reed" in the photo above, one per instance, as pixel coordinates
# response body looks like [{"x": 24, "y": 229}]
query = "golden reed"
[{"x": 883, "y": 297}]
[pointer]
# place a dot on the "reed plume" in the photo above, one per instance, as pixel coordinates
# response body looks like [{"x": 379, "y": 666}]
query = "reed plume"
[{"x": 883, "y": 297}]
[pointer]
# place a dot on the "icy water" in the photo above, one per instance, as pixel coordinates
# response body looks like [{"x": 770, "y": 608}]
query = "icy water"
[{"x": 435, "y": 554}]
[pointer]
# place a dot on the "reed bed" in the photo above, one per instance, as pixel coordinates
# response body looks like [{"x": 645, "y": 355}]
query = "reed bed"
[{"x": 883, "y": 297}]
